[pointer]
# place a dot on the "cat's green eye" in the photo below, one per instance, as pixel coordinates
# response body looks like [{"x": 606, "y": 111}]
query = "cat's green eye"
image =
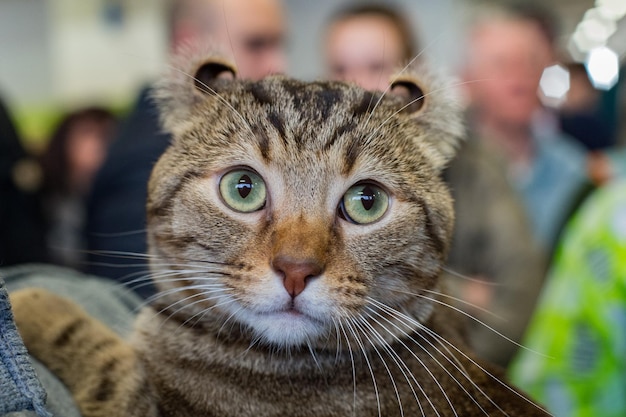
[
  {"x": 364, "y": 203},
  {"x": 243, "y": 190}
]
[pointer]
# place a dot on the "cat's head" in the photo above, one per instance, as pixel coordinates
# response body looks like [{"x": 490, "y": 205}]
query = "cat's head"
[{"x": 300, "y": 212}]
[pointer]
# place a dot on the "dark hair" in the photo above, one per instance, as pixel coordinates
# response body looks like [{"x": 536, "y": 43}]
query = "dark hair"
[
  {"x": 543, "y": 17},
  {"x": 54, "y": 161},
  {"x": 385, "y": 11}
]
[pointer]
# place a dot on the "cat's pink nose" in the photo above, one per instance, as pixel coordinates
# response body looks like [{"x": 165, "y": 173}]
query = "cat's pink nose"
[{"x": 296, "y": 272}]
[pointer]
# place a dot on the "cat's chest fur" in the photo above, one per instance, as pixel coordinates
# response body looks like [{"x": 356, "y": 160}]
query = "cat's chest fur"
[{"x": 199, "y": 375}]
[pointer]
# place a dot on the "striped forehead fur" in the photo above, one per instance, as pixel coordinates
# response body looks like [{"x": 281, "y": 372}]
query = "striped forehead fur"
[{"x": 282, "y": 99}]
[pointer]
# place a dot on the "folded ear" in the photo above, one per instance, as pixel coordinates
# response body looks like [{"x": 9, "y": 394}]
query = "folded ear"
[
  {"x": 192, "y": 76},
  {"x": 432, "y": 102}
]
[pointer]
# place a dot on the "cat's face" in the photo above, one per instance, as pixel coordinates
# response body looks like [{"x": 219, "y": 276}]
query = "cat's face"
[{"x": 299, "y": 211}]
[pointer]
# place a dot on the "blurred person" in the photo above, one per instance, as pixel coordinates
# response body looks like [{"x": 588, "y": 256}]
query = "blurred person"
[
  {"x": 75, "y": 152},
  {"x": 507, "y": 52},
  {"x": 253, "y": 31},
  {"x": 365, "y": 44},
  {"x": 584, "y": 115},
  {"x": 580, "y": 116},
  {"x": 607, "y": 165},
  {"x": 21, "y": 221},
  {"x": 575, "y": 361},
  {"x": 493, "y": 266}
]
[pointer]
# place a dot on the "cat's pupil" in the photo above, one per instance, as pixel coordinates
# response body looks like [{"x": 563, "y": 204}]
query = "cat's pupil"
[
  {"x": 367, "y": 197},
  {"x": 244, "y": 187}
]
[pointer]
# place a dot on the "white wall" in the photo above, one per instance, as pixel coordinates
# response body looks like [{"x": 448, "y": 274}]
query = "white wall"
[
  {"x": 25, "y": 50},
  {"x": 96, "y": 56},
  {"x": 67, "y": 52}
]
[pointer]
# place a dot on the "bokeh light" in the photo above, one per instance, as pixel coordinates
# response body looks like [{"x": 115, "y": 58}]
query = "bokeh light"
[
  {"x": 583, "y": 42},
  {"x": 554, "y": 85},
  {"x": 603, "y": 67},
  {"x": 596, "y": 26},
  {"x": 612, "y": 9}
]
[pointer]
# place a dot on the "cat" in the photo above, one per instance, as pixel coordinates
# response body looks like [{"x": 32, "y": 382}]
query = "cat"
[{"x": 297, "y": 231}]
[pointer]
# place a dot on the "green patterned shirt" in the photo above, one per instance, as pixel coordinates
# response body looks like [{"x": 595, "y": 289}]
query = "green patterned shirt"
[{"x": 575, "y": 361}]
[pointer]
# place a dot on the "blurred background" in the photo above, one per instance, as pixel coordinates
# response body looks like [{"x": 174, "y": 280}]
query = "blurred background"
[
  {"x": 537, "y": 209},
  {"x": 57, "y": 55}
]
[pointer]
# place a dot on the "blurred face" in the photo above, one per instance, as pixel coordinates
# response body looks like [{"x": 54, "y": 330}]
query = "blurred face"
[
  {"x": 365, "y": 50},
  {"x": 254, "y": 30},
  {"x": 507, "y": 59},
  {"x": 86, "y": 152}
]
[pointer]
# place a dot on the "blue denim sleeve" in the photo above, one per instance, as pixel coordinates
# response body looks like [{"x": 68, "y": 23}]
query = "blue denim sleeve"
[{"x": 20, "y": 389}]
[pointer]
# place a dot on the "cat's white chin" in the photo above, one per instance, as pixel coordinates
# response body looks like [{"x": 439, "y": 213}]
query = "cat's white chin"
[{"x": 288, "y": 328}]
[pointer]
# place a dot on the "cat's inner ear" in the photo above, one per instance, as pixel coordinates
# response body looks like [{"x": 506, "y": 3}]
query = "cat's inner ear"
[
  {"x": 210, "y": 74},
  {"x": 410, "y": 92}
]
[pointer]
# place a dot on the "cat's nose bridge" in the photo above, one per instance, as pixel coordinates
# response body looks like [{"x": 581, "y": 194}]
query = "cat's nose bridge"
[
  {"x": 298, "y": 251},
  {"x": 300, "y": 238}
]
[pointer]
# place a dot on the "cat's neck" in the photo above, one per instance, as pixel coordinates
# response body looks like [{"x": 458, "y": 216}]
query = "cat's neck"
[{"x": 233, "y": 347}]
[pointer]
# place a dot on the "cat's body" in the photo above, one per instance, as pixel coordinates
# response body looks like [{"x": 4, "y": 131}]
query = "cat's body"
[{"x": 297, "y": 232}]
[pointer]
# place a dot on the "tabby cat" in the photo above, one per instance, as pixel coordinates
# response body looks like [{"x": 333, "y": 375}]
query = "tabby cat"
[{"x": 297, "y": 232}]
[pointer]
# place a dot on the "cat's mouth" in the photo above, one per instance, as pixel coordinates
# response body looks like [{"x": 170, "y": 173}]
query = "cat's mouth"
[
  {"x": 289, "y": 326},
  {"x": 293, "y": 312},
  {"x": 290, "y": 310}
]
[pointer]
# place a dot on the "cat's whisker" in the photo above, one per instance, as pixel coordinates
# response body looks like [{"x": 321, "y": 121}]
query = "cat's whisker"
[
  {"x": 232, "y": 315},
  {"x": 184, "y": 262},
  {"x": 118, "y": 234},
  {"x": 343, "y": 331},
  {"x": 148, "y": 276},
  {"x": 121, "y": 254},
  {"x": 398, "y": 361},
  {"x": 164, "y": 293},
  {"x": 401, "y": 317},
  {"x": 420, "y": 361},
  {"x": 184, "y": 301},
  {"x": 359, "y": 326},
  {"x": 457, "y": 299},
  {"x": 192, "y": 275},
  {"x": 474, "y": 362},
  {"x": 207, "y": 89},
  {"x": 157, "y": 275},
  {"x": 199, "y": 315},
  {"x": 396, "y": 76},
  {"x": 366, "y": 318},
  {"x": 312, "y": 352},
  {"x": 173, "y": 313},
  {"x": 349, "y": 323},
  {"x": 410, "y": 322},
  {"x": 337, "y": 340},
  {"x": 116, "y": 265},
  {"x": 456, "y": 274},
  {"x": 228, "y": 35},
  {"x": 411, "y": 102},
  {"x": 253, "y": 342},
  {"x": 443, "y": 340},
  {"x": 491, "y": 328}
]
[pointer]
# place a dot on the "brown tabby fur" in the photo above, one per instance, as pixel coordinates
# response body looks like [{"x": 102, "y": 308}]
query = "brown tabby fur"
[{"x": 376, "y": 339}]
